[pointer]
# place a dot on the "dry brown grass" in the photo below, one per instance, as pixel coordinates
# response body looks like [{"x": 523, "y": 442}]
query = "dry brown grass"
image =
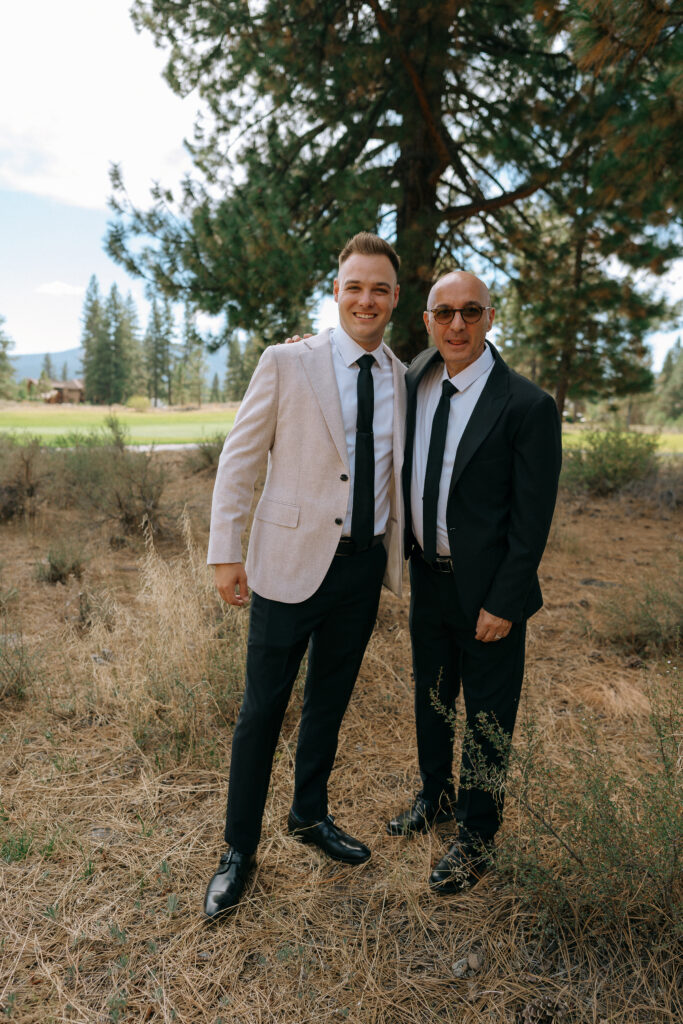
[{"x": 114, "y": 771}]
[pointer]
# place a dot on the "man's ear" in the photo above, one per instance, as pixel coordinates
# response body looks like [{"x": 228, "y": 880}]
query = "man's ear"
[
  {"x": 335, "y": 289},
  {"x": 425, "y": 317}
]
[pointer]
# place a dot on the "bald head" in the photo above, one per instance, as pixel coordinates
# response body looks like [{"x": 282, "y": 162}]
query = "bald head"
[
  {"x": 476, "y": 287},
  {"x": 460, "y": 342}
]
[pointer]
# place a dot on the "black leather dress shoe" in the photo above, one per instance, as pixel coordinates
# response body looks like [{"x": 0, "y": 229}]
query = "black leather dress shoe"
[
  {"x": 462, "y": 867},
  {"x": 227, "y": 885},
  {"x": 329, "y": 838},
  {"x": 420, "y": 816}
]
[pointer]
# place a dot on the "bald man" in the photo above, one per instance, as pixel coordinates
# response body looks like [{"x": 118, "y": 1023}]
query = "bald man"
[{"x": 480, "y": 476}]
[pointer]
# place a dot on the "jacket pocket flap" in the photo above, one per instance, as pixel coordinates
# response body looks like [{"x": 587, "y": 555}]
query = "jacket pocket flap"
[{"x": 277, "y": 512}]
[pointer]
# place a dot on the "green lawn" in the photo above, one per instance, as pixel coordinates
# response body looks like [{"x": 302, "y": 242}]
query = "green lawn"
[
  {"x": 173, "y": 426},
  {"x": 669, "y": 443},
  {"x": 157, "y": 426}
]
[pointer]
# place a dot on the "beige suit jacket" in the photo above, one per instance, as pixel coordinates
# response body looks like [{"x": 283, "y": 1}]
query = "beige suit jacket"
[{"x": 291, "y": 415}]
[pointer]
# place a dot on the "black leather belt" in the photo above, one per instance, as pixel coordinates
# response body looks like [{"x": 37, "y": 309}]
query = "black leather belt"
[
  {"x": 348, "y": 546},
  {"x": 442, "y": 563}
]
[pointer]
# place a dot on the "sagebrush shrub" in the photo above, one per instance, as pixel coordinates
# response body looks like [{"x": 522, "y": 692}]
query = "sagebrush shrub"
[{"x": 609, "y": 460}]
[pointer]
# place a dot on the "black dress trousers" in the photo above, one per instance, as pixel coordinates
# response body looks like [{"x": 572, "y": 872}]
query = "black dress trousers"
[
  {"x": 335, "y": 623},
  {"x": 446, "y": 656}
]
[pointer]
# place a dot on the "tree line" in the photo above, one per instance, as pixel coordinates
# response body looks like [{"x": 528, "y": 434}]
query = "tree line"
[{"x": 120, "y": 361}]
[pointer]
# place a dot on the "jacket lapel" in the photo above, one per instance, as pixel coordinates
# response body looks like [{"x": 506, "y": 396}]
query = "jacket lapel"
[
  {"x": 316, "y": 359},
  {"x": 492, "y": 401},
  {"x": 414, "y": 375}
]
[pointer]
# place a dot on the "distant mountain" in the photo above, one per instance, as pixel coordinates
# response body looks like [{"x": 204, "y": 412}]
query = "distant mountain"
[{"x": 31, "y": 365}]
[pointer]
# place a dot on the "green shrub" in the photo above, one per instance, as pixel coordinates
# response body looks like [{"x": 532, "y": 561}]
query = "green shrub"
[
  {"x": 609, "y": 460},
  {"x": 205, "y": 454},
  {"x": 18, "y": 666},
  {"x": 62, "y": 560},
  {"x": 121, "y": 486},
  {"x": 24, "y": 471},
  {"x": 599, "y": 845},
  {"x": 138, "y": 402},
  {"x": 646, "y": 619}
]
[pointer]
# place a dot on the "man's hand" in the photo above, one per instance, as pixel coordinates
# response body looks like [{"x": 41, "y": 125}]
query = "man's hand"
[
  {"x": 231, "y": 582},
  {"x": 296, "y": 337},
  {"x": 491, "y": 628}
]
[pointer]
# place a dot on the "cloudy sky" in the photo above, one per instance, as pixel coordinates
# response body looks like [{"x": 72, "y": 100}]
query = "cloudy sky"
[{"x": 81, "y": 90}]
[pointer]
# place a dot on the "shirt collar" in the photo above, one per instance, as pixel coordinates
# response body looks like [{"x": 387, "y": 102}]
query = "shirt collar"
[
  {"x": 351, "y": 351},
  {"x": 472, "y": 372}
]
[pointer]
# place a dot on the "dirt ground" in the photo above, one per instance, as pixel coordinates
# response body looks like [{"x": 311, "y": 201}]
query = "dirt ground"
[{"x": 113, "y": 771}]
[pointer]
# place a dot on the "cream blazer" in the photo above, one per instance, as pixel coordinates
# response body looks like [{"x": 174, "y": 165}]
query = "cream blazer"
[{"x": 291, "y": 416}]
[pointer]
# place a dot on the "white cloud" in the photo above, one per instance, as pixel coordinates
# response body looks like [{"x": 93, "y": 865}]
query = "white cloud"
[
  {"x": 60, "y": 288},
  {"x": 86, "y": 91}
]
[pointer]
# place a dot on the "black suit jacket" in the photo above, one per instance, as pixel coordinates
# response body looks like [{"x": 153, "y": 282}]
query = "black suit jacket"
[{"x": 502, "y": 491}]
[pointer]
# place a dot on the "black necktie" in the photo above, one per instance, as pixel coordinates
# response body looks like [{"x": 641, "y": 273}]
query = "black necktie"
[
  {"x": 363, "y": 510},
  {"x": 437, "y": 444}
]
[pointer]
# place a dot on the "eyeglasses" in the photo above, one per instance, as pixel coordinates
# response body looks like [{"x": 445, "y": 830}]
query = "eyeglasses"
[{"x": 471, "y": 313}]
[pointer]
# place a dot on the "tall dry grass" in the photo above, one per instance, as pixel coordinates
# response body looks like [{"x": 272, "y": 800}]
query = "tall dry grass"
[{"x": 113, "y": 772}]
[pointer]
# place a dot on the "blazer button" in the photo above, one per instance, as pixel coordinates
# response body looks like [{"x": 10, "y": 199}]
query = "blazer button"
[
  {"x": 343, "y": 477},
  {"x": 339, "y": 521}
]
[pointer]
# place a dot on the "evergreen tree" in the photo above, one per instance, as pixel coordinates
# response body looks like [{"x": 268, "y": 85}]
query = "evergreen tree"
[
  {"x": 669, "y": 397},
  {"x": 215, "y": 392},
  {"x": 427, "y": 121},
  {"x": 7, "y": 384},
  {"x": 240, "y": 365},
  {"x": 157, "y": 346},
  {"x": 193, "y": 358},
  {"x": 565, "y": 322},
  {"x": 65, "y": 371},
  {"x": 119, "y": 354},
  {"x": 94, "y": 342},
  {"x": 47, "y": 372},
  {"x": 137, "y": 382}
]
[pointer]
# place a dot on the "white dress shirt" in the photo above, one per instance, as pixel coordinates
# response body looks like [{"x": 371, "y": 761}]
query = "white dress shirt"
[
  {"x": 345, "y": 353},
  {"x": 470, "y": 384}
]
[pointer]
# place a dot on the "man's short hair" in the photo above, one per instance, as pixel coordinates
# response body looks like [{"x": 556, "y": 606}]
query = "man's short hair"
[{"x": 367, "y": 244}]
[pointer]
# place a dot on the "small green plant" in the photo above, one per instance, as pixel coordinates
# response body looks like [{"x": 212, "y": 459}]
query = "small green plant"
[
  {"x": 205, "y": 454},
  {"x": 647, "y": 619},
  {"x": 62, "y": 560},
  {"x": 609, "y": 460},
  {"x": 597, "y": 846},
  {"x": 15, "y": 845},
  {"x": 121, "y": 486},
  {"x": 19, "y": 666},
  {"x": 24, "y": 470},
  {"x": 138, "y": 402}
]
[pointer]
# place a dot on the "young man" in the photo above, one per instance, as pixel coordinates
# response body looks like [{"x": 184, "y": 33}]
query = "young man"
[
  {"x": 482, "y": 461},
  {"x": 328, "y": 413}
]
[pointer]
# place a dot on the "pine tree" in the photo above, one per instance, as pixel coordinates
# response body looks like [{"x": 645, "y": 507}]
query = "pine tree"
[
  {"x": 669, "y": 398},
  {"x": 94, "y": 343},
  {"x": 7, "y": 384},
  {"x": 426, "y": 120},
  {"x": 193, "y": 358},
  {"x": 47, "y": 372},
  {"x": 240, "y": 364},
  {"x": 137, "y": 378},
  {"x": 118, "y": 355},
  {"x": 565, "y": 322},
  {"x": 157, "y": 345},
  {"x": 215, "y": 392},
  {"x": 65, "y": 371}
]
